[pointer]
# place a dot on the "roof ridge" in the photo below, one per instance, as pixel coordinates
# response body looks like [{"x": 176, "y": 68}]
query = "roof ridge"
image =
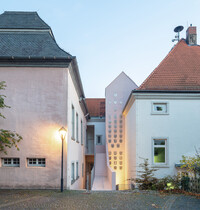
[
  {"x": 21, "y": 12},
  {"x": 166, "y": 57},
  {"x": 118, "y": 77}
]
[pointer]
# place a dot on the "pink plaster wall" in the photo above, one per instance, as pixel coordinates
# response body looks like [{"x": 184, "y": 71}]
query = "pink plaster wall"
[{"x": 38, "y": 100}]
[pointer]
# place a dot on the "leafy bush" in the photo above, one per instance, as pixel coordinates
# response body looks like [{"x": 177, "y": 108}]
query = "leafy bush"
[
  {"x": 168, "y": 183},
  {"x": 8, "y": 138}
]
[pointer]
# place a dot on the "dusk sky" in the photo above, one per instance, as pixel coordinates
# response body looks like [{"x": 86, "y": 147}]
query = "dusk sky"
[{"x": 111, "y": 36}]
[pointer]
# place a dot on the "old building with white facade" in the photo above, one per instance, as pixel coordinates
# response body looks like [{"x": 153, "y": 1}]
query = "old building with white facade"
[
  {"x": 106, "y": 138},
  {"x": 162, "y": 116}
]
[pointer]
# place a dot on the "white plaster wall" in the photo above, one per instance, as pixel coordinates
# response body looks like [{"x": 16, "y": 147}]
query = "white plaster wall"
[
  {"x": 117, "y": 94},
  {"x": 38, "y": 100},
  {"x": 181, "y": 127},
  {"x": 130, "y": 143},
  {"x": 75, "y": 149},
  {"x": 99, "y": 129}
]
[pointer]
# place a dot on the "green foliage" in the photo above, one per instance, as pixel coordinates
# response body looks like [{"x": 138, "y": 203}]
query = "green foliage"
[
  {"x": 191, "y": 164},
  {"x": 168, "y": 183},
  {"x": 146, "y": 180},
  {"x": 8, "y": 138}
]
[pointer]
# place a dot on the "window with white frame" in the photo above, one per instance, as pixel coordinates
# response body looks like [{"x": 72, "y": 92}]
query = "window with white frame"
[
  {"x": 77, "y": 137},
  {"x": 77, "y": 170},
  {"x": 99, "y": 139},
  {"x": 160, "y": 151},
  {"x": 160, "y": 108},
  {"x": 36, "y": 162},
  {"x": 72, "y": 172},
  {"x": 73, "y": 123},
  {"x": 10, "y": 162},
  {"x": 81, "y": 132},
  {"x": 82, "y": 169}
]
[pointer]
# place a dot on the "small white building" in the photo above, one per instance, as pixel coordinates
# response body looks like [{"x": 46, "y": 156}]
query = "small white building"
[{"x": 162, "y": 116}]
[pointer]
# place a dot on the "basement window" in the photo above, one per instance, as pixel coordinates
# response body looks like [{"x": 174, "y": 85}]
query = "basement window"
[
  {"x": 10, "y": 162},
  {"x": 36, "y": 162}
]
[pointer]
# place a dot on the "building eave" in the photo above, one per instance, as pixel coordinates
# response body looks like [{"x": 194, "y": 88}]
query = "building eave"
[
  {"x": 160, "y": 94},
  {"x": 34, "y": 61},
  {"x": 79, "y": 87}
]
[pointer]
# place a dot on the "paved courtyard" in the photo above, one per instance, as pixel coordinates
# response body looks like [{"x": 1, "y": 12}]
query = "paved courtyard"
[{"x": 49, "y": 199}]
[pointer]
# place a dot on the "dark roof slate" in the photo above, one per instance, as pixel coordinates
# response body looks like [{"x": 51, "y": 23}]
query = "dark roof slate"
[
  {"x": 30, "y": 44},
  {"x": 22, "y": 20}
]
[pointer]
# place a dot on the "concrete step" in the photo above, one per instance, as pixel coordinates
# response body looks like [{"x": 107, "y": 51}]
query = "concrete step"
[
  {"x": 100, "y": 166},
  {"x": 101, "y": 183}
]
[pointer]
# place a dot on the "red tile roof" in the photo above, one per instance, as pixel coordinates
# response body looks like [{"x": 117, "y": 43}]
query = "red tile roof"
[
  {"x": 179, "y": 70},
  {"x": 96, "y": 106}
]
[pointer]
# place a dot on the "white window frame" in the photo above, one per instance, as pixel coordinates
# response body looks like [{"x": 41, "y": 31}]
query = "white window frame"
[
  {"x": 73, "y": 123},
  {"x": 37, "y": 164},
  {"x": 77, "y": 170},
  {"x": 166, "y": 139},
  {"x": 82, "y": 169},
  {"x": 72, "y": 172},
  {"x": 154, "y": 112},
  {"x": 77, "y": 128},
  {"x": 100, "y": 140},
  {"x": 11, "y": 164},
  {"x": 81, "y": 132}
]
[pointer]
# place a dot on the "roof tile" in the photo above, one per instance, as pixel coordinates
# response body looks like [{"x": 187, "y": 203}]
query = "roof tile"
[
  {"x": 96, "y": 107},
  {"x": 179, "y": 70}
]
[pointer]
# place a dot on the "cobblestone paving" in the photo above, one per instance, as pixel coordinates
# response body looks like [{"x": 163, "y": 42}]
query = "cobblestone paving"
[{"x": 49, "y": 199}]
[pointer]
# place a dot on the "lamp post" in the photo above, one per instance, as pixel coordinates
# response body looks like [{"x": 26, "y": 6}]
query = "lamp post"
[{"x": 62, "y": 132}]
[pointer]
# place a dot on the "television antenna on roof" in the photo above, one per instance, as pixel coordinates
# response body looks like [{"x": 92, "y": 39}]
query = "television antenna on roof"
[{"x": 177, "y": 30}]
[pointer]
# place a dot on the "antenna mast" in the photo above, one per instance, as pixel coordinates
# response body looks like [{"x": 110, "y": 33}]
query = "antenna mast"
[{"x": 177, "y": 30}]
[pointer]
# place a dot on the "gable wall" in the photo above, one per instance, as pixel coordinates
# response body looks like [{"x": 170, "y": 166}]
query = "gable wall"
[
  {"x": 180, "y": 127},
  {"x": 38, "y": 100}
]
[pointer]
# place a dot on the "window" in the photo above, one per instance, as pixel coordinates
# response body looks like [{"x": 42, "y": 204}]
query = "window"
[
  {"x": 77, "y": 170},
  {"x": 81, "y": 132},
  {"x": 72, "y": 173},
  {"x": 99, "y": 139},
  {"x": 73, "y": 125},
  {"x": 159, "y": 108},
  {"x": 10, "y": 162},
  {"x": 36, "y": 162},
  {"x": 77, "y": 128},
  {"x": 159, "y": 151},
  {"x": 82, "y": 169}
]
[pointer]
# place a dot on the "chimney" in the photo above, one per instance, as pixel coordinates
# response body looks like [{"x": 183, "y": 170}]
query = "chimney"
[{"x": 191, "y": 35}]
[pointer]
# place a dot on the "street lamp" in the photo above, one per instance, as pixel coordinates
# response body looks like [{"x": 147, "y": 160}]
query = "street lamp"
[{"x": 62, "y": 132}]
